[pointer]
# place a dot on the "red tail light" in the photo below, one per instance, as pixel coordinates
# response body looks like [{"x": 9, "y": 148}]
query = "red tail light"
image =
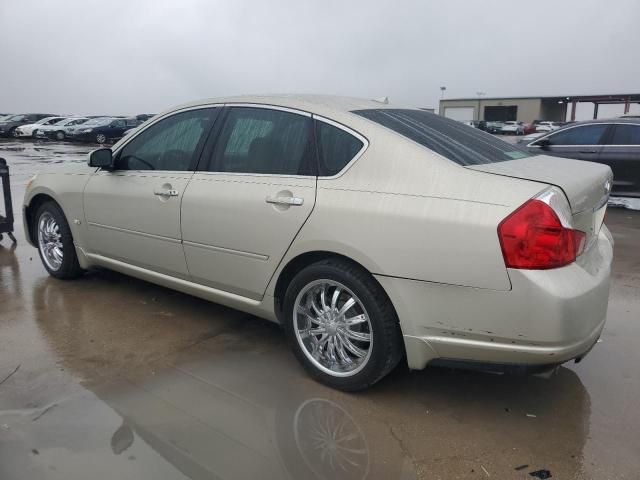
[{"x": 533, "y": 237}]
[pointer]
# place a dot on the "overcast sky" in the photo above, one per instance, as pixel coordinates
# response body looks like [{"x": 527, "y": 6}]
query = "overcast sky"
[{"x": 133, "y": 56}]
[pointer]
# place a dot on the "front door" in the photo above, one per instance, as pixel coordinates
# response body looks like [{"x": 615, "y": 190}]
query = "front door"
[
  {"x": 133, "y": 212},
  {"x": 622, "y": 154},
  {"x": 242, "y": 211},
  {"x": 583, "y": 142}
]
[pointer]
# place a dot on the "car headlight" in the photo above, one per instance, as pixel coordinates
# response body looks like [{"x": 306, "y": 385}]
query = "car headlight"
[{"x": 87, "y": 130}]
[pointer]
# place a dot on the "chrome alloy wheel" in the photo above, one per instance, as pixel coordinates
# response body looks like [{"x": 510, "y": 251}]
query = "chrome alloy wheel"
[
  {"x": 333, "y": 328},
  {"x": 50, "y": 241}
]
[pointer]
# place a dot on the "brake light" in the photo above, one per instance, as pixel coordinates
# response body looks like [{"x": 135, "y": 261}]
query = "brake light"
[{"x": 535, "y": 237}]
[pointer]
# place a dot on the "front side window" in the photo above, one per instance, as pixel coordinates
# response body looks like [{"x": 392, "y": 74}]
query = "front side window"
[
  {"x": 583, "y": 135},
  {"x": 336, "y": 148},
  {"x": 626, "y": 135},
  {"x": 262, "y": 140},
  {"x": 169, "y": 144}
]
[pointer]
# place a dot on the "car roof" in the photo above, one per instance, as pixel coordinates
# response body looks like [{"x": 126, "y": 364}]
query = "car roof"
[
  {"x": 608, "y": 120},
  {"x": 310, "y": 103}
]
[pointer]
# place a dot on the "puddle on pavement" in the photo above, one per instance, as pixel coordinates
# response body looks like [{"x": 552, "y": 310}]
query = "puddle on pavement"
[{"x": 118, "y": 378}]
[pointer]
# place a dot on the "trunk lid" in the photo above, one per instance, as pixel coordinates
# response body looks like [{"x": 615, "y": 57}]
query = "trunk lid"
[{"x": 586, "y": 184}]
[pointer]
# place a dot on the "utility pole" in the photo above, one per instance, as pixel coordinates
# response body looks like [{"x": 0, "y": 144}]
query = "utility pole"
[
  {"x": 480, "y": 95},
  {"x": 442, "y": 90}
]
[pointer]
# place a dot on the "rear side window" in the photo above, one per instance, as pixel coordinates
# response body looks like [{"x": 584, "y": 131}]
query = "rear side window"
[
  {"x": 583, "y": 135},
  {"x": 336, "y": 148},
  {"x": 626, "y": 135},
  {"x": 262, "y": 140},
  {"x": 453, "y": 140}
]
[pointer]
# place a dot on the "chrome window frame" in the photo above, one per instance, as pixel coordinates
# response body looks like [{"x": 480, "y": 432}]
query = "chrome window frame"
[
  {"x": 365, "y": 142},
  {"x": 548, "y": 134}
]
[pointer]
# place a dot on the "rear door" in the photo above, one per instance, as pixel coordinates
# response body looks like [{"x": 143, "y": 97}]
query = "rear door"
[
  {"x": 254, "y": 190},
  {"x": 133, "y": 212},
  {"x": 622, "y": 154},
  {"x": 581, "y": 142}
]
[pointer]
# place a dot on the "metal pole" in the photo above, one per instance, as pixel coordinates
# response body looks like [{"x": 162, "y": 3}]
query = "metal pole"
[
  {"x": 573, "y": 111},
  {"x": 6, "y": 223}
]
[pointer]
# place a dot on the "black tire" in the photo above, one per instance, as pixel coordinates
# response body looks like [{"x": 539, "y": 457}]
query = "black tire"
[
  {"x": 59, "y": 135},
  {"x": 13, "y": 133},
  {"x": 69, "y": 268},
  {"x": 387, "y": 349},
  {"x": 101, "y": 138}
]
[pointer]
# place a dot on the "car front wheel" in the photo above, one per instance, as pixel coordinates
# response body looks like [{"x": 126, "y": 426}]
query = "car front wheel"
[
  {"x": 55, "y": 242},
  {"x": 341, "y": 325},
  {"x": 101, "y": 138}
]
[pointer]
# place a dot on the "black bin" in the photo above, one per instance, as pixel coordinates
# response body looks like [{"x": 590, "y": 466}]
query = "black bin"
[{"x": 6, "y": 221}]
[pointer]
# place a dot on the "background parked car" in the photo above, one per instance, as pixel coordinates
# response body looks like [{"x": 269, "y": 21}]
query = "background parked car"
[
  {"x": 58, "y": 131},
  {"x": 102, "y": 130},
  {"x": 545, "y": 126},
  {"x": 494, "y": 127},
  {"x": 29, "y": 130},
  {"x": 613, "y": 142},
  {"x": 513, "y": 128},
  {"x": 479, "y": 124},
  {"x": 8, "y": 126}
]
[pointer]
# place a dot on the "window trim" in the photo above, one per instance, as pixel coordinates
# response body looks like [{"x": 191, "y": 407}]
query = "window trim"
[
  {"x": 192, "y": 168},
  {"x": 356, "y": 157},
  {"x": 604, "y": 136},
  {"x": 211, "y": 143}
]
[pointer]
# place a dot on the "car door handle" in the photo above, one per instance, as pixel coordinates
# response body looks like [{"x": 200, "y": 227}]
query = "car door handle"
[
  {"x": 292, "y": 201},
  {"x": 166, "y": 193}
]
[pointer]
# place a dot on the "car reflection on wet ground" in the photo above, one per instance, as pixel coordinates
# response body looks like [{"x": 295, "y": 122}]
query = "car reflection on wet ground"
[{"x": 112, "y": 377}]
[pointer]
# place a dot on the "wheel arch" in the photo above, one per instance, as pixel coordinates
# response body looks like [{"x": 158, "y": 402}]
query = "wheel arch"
[
  {"x": 30, "y": 210},
  {"x": 303, "y": 260}
]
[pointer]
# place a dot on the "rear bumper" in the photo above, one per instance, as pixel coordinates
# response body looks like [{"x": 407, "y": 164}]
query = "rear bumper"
[{"x": 548, "y": 317}]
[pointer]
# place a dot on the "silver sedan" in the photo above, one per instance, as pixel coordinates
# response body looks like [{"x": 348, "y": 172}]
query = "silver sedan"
[{"x": 375, "y": 235}]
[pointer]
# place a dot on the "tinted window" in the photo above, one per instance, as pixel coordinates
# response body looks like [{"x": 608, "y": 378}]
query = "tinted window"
[
  {"x": 449, "y": 138},
  {"x": 260, "y": 140},
  {"x": 336, "y": 148},
  {"x": 169, "y": 144},
  {"x": 583, "y": 135},
  {"x": 626, "y": 135}
]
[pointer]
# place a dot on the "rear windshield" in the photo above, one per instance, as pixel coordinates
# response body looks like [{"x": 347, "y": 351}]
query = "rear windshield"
[{"x": 459, "y": 143}]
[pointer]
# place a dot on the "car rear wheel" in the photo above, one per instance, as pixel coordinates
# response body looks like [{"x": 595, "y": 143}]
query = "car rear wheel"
[
  {"x": 55, "y": 242},
  {"x": 59, "y": 135},
  {"x": 14, "y": 132},
  {"x": 101, "y": 138},
  {"x": 341, "y": 325}
]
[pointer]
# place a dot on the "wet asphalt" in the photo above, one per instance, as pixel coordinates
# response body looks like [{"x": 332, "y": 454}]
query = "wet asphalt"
[{"x": 112, "y": 377}]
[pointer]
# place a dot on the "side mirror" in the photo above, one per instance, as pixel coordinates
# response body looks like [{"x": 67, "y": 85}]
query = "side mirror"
[
  {"x": 543, "y": 143},
  {"x": 102, "y": 158}
]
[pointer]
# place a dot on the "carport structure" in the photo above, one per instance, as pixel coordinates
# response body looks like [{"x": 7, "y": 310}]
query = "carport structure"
[
  {"x": 558, "y": 108},
  {"x": 626, "y": 98}
]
